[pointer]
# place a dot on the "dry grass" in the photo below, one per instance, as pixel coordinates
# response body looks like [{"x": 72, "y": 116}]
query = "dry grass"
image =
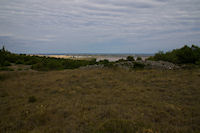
[{"x": 100, "y": 101}]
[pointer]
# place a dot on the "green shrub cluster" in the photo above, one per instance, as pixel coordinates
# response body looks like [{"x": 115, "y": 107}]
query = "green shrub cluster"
[
  {"x": 50, "y": 63},
  {"x": 184, "y": 55},
  {"x": 6, "y": 58},
  {"x": 130, "y": 58},
  {"x": 139, "y": 58},
  {"x": 138, "y": 65},
  {"x": 41, "y": 63},
  {"x": 105, "y": 62},
  {"x": 32, "y": 99},
  {"x": 121, "y": 60}
]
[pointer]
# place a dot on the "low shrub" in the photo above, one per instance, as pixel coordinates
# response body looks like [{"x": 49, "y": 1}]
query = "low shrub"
[
  {"x": 106, "y": 63},
  {"x": 32, "y": 99},
  {"x": 7, "y": 63},
  {"x": 189, "y": 66},
  {"x": 19, "y": 61},
  {"x": 6, "y": 69},
  {"x": 184, "y": 55},
  {"x": 197, "y": 62},
  {"x": 41, "y": 63},
  {"x": 138, "y": 65},
  {"x": 139, "y": 58},
  {"x": 19, "y": 69},
  {"x": 93, "y": 61},
  {"x": 121, "y": 60},
  {"x": 130, "y": 58}
]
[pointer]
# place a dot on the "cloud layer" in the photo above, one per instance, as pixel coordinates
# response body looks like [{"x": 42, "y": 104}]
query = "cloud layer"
[{"x": 108, "y": 26}]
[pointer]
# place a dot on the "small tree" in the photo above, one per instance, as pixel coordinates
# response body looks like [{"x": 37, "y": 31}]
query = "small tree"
[
  {"x": 130, "y": 58},
  {"x": 139, "y": 58},
  {"x": 3, "y": 49}
]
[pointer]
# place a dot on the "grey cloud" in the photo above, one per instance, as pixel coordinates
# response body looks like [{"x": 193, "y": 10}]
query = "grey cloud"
[{"x": 79, "y": 24}]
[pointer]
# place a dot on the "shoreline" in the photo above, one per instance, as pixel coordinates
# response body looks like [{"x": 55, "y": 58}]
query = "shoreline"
[{"x": 97, "y": 57}]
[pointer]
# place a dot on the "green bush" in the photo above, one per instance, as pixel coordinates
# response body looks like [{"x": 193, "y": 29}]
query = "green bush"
[
  {"x": 19, "y": 69},
  {"x": 6, "y": 69},
  {"x": 93, "y": 61},
  {"x": 121, "y": 60},
  {"x": 130, "y": 58},
  {"x": 197, "y": 62},
  {"x": 6, "y": 63},
  {"x": 41, "y": 63},
  {"x": 189, "y": 66},
  {"x": 32, "y": 99},
  {"x": 138, "y": 65},
  {"x": 47, "y": 65},
  {"x": 106, "y": 63},
  {"x": 139, "y": 58},
  {"x": 184, "y": 55},
  {"x": 32, "y": 60},
  {"x": 19, "y": 61}
]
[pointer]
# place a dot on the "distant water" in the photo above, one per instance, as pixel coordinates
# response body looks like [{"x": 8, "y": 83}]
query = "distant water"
[{"x": 98, "y": 56}]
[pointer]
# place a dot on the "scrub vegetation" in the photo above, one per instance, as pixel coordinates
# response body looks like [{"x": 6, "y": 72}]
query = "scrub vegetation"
[
  {"x": 41, "y": 63},
  {"x": 100, "y": 101},
  {"x": 184, "y": 55},
  {"x": 106, "y": 99}
]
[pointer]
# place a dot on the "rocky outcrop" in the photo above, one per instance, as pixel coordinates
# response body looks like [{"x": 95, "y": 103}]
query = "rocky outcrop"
[
  {"x": 159, "y": 65},
  {"x": 138, "y": 64},
  {"x": 125, "y": 64},
  {"x": 92, "y": 66}
]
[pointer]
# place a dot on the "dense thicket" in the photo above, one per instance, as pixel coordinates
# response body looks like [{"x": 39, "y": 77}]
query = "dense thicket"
[
  {"x": 184, "y": 55},
  {"x": 41, "y": 63}
]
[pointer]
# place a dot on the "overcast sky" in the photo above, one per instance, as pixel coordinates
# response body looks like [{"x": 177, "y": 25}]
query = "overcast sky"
[{"x": 98, "y": 26}]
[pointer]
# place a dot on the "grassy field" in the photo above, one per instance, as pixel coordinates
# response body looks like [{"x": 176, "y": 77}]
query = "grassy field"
[{"x": 100, "y": 101}]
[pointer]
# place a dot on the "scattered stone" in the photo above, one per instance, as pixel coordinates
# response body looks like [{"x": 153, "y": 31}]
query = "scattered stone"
[
  {"x": 92, "y": 66},
  {"x": 159, "y": 65},
  {"x": 131, "y": 65}
]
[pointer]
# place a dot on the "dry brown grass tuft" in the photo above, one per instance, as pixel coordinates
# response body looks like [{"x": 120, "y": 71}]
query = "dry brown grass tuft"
[{"x": 100, "y": 100}]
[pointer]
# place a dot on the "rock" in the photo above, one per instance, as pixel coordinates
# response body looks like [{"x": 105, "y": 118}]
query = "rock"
[
  {"x": 130, "y": 65},
  {"x": 92, "y": 66},
  {"x": 159, "y": 65}
]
